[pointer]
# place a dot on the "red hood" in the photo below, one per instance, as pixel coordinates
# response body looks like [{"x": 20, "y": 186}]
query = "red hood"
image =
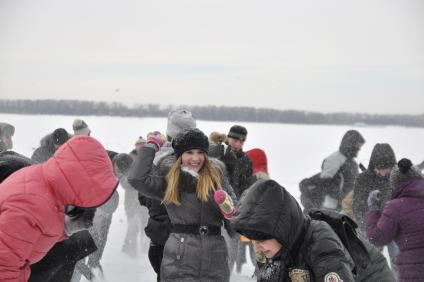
[
  {"x": 80, "y": 173},
  {"x": 259, "y": 160}
]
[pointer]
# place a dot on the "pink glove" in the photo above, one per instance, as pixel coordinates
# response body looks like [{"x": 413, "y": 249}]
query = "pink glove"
[
  {"x": 225, "y": 203},
  {"x": 156, "y": 138}
]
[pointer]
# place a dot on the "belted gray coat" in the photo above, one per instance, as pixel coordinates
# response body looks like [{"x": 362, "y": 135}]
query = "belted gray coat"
[{"x": 186, "y": 257}]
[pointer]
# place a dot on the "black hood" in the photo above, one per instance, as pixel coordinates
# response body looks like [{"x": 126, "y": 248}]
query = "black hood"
[
  {"x": 350, "y": 144},
  {"x": 266, "y": 210},
  {"x": 382, "y": 156}
]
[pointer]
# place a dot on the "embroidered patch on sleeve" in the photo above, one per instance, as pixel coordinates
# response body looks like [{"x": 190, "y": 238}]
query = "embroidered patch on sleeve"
[
  {"x": 299, "y": 275},
  {"x": 332, "y": 277}
]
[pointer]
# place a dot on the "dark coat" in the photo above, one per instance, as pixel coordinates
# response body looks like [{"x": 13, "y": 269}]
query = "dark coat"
[
  {"x": 158, "y": 226},
  {"x": 367, "y": 182},
  {"x": 402, "y": 220},
  {"x": 239, "y": 168},
  {"x": 370, "y": 264},
  {"x": 342, "y": 166},
  {"x": 10, "y": 162},
  {"x": 342, "y": 172},
  {"x": 46, "y": 149},
  {"x": 377, "y": 269},
  {"x": 49, "y": 144},
  {"x": 186, "y": 257},
  {"x": 382, "y": 156},
  {"x": 310, "y": 246},
  {"x": 59, "y": 263}
]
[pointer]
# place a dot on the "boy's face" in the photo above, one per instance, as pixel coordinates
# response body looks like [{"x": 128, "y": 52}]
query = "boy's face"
[
  {"x": 235, "y": 144},
  {"x": 268, "y": 247},
  {"x": 7, "y": 139},
  {"x": 382, "y": 172}
]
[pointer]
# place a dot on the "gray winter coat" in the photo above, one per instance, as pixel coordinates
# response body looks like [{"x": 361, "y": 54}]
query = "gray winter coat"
[{"x": 186, "y": 257}]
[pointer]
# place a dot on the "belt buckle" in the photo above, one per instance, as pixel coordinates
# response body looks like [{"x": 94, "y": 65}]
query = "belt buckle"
[{"x": 203, "y": 230}]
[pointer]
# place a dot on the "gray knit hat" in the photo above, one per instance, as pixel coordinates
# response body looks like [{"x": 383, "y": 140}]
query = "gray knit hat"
[
  {"x": 178, "y": 120},
  {"x": 404, "y": 171},
  {"x": 6, "y": 129},
  {"x": 80, "y": 127}
]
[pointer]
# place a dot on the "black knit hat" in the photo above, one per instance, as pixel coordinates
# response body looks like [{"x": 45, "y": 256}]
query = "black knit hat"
[
  {"x": 238, "y": 132},
  {"x": 404, "y": 171},
  {"x": 190, "y": 139},
  {"x": 255, "y": 235}
]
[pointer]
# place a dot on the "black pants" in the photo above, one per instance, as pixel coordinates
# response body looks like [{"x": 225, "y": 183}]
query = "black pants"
[{"x": 155, "y": 257}]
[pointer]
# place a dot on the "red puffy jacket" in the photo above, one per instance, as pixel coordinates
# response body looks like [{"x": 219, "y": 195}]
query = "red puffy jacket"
[{"x": 32, "y": 202}]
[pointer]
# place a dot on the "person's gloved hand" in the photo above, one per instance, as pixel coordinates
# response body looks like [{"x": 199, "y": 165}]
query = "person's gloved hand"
[
  {"x": 374, "y": 201},
  {"x": 225, "y": 203},
  {"x": 155, "y": 138}
]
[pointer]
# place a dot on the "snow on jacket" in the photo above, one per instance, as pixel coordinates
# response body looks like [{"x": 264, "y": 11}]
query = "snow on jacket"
[
  {"x": 239, "y": 168},
  {"x": 186, "y": 257},
  {"x": 402, "y": 220},
  {"x": 32, "y": 202},
  {"x": 365, "y": 183},
  {"x": 337, "y": 166},
  {"x": 382, "y": 156},
  {"x": 309, "y": 247},
  {"x": 341, "y": 166}
]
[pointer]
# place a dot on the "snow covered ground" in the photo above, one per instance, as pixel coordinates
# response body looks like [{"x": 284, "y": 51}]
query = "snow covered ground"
[{"x": 294, "y": 152}]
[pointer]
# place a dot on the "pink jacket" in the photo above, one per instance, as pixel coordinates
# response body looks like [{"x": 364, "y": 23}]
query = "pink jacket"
[{"x": 32, "y": 202}]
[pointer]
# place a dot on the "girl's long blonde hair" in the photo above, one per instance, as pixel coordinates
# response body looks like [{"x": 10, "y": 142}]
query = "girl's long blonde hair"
[{"x": 209, "y": 181}]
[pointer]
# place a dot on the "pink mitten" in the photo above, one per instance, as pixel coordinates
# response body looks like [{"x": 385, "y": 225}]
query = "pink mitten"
[{"x": 225, "y": 203}]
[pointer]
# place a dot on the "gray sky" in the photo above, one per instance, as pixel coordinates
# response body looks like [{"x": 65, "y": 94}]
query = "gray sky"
[{"x": 326, "y": 55}]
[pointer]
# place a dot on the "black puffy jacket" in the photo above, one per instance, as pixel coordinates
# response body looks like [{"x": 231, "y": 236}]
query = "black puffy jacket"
[{"x": 310, "y": 247}]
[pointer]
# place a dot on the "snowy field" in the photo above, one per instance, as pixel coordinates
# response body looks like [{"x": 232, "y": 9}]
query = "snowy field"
[{"x": 294, "y": 152}]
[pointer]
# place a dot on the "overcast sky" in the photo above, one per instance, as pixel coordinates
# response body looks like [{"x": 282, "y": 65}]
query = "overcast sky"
[{"x": 319, "y": 55}]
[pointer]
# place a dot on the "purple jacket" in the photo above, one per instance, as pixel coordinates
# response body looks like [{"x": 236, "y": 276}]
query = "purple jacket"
[{"x": 402, "y": 221}]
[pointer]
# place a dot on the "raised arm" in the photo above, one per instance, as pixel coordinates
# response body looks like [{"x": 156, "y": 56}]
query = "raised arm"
[
  {"x": 381, "y": 230},
  {"x": 141, "y": 178}
]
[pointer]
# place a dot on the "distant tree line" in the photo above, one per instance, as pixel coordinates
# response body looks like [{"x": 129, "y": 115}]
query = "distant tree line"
[{"x": 213, "y": 113}]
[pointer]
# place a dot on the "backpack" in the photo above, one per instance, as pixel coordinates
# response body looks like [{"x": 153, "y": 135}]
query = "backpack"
[
  {"x": 345, "y": 228},
  {"x": 314, "y": 189}
]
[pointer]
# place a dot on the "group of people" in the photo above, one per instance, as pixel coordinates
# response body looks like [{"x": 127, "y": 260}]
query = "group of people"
[
  {"x": 72, "y": 180},
  {"x": 385, "y": 199}
]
